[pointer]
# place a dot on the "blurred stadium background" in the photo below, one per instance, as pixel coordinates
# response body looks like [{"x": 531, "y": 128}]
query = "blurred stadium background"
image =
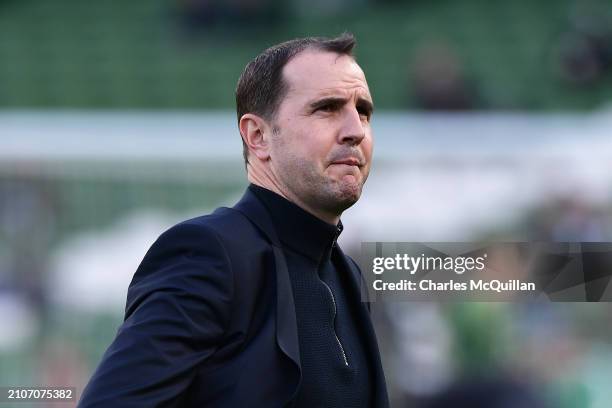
[{"x": 494, "y": 121}]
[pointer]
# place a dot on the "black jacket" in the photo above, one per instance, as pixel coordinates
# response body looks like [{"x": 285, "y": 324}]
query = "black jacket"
[{"x": 210, "y": 321}]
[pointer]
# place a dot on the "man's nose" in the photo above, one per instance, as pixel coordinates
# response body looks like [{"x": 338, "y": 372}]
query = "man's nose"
[{"x": 353, "y": 128}]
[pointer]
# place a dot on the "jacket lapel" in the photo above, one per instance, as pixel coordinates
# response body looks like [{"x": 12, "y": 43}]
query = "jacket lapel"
[{"x": 286, "y": 324}]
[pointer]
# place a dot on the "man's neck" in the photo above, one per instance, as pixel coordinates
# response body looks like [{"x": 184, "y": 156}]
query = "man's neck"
[{"x": 332, "y": 219}]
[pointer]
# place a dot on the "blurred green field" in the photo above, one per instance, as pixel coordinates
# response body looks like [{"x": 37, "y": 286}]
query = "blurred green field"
[{"x": 114, "y": 54}]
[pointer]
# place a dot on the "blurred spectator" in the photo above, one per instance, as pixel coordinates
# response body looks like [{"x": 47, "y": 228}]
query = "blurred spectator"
[
  {"x": 584, "y": 52},
  {"x": 578, "y": 221},
  {"x": 197, "y": 15},
  {"x": 421, "y": 345},
  {"x": 27, "y": 227},
  {"x": 439, "y": 80},
  {"x": 61, "y": 364},
  {"x": 490, "y": 392},
  {"x": 583, "y": 59},
  {"x": 570, "y": 219}
]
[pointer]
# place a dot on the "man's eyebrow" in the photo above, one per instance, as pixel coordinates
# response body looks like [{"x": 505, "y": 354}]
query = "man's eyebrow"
[
  {"x": 329, "y": 100},
  {"x": 339, "y": 101}
]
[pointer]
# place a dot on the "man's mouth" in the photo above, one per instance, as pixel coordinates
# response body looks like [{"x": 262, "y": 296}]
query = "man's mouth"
[{"x": 349, "y": 161}]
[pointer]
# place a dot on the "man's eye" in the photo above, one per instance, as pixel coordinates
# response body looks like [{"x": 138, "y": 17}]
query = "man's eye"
[
  {"x": 327, "y": 108},
  {"x": 364, "y": 113}
]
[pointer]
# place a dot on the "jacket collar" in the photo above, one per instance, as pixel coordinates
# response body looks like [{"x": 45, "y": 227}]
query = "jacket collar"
[{"x": 297, "y": 228}]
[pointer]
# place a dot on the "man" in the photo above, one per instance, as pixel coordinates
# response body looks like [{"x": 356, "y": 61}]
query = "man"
[{"x": 256, "y": 305}]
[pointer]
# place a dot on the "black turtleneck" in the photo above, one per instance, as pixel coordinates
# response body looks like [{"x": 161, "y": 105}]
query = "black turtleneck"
[{"x": 335, "y": 370}]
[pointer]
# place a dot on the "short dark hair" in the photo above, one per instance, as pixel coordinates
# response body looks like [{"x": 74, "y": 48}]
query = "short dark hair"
[{"x": 261, "y": 87}]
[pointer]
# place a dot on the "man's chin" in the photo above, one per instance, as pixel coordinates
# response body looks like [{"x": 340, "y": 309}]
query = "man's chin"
[{"x": 348, "y": 193}]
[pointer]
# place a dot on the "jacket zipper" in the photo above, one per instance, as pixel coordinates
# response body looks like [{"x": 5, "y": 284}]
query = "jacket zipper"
[{"x": 333, "y": 322}]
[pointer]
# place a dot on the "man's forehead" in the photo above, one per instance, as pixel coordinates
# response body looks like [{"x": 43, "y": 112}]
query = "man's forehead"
[{"x": 324, "y": 73}]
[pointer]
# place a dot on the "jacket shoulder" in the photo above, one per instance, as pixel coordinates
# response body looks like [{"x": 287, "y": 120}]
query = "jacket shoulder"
[{"x": 233, "y": 230}]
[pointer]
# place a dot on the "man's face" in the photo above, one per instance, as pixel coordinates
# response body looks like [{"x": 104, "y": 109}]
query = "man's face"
[{"x": 321, "y": 149}]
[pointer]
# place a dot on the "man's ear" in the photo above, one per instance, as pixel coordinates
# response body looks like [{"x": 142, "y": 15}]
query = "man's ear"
[{"x": 256, "y": 133}]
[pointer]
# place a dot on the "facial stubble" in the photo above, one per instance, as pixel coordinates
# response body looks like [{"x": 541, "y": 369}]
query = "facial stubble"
[{"x": 317, "y": 189}]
